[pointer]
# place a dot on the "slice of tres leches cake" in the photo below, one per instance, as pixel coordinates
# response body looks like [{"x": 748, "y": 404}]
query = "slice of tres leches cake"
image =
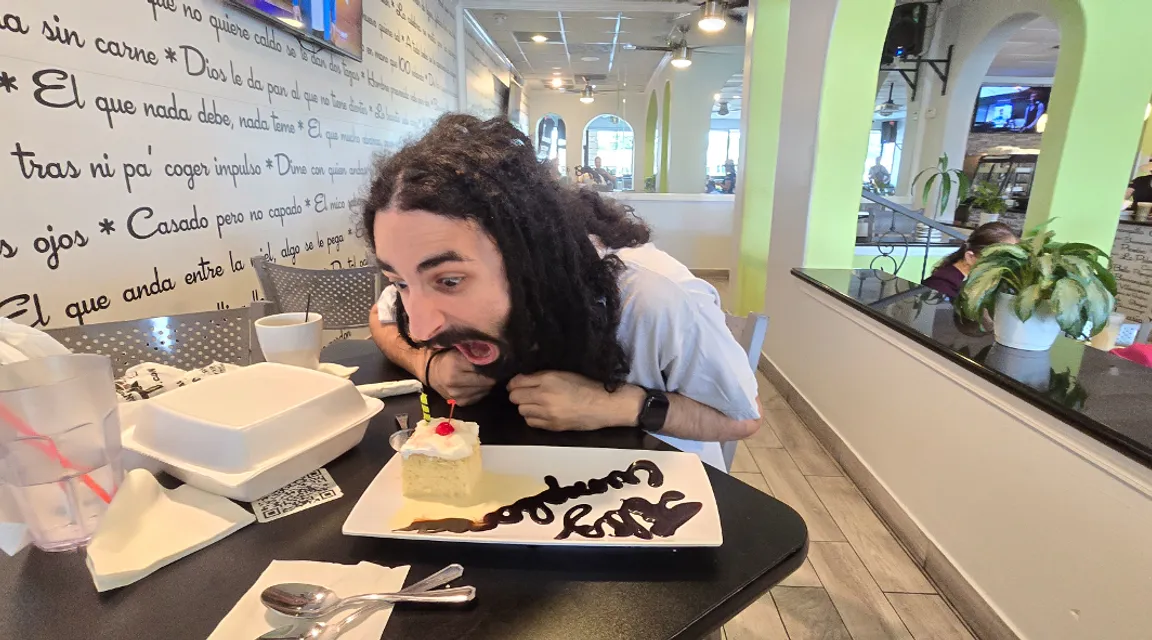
[{"x": 441, "y": 459}]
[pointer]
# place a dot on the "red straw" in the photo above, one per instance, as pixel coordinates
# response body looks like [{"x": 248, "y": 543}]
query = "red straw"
[
  {"x": 451, "y": 407},
  {"x": 49, "y": 447}
]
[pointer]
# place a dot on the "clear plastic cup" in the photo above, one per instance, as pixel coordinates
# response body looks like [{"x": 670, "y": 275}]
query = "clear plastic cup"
[
  {"x": 60, "y": 445},
  {"x": 1106, "y": 339}
]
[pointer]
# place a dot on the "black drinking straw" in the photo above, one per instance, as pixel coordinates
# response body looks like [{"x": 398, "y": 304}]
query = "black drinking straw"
[{"x": 308, "y": 306}]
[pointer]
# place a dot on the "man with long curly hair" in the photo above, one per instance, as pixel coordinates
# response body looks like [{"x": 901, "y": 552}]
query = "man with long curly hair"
[{"x": 499, "y": 274}]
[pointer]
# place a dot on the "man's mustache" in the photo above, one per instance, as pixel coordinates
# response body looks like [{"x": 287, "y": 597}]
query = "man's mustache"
[{"x": 449, "y": 338}]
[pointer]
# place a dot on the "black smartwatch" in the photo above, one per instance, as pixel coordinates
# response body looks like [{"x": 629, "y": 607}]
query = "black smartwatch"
[{"x": 653, "y": 411}]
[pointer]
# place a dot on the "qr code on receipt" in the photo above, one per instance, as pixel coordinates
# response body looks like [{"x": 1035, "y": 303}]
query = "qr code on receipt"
[{"x": 313, "y": 489}]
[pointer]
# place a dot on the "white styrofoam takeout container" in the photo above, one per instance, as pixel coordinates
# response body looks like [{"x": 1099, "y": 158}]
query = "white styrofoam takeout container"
[{"x": 246, "y": 433}]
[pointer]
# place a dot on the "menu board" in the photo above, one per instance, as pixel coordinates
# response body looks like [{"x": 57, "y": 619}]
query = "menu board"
[{"x": 1132, "y": 264}]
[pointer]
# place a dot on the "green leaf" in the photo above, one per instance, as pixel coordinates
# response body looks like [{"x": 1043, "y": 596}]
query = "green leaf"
[
  {"x": 1077, "y": 266},
  {"x": 943, "y": 162},
  {"x": 982, "y": 283},
  {"x": 1039, "y": 241},
  {"x": 928, "y": 189},
  {"x": 1084, "y": 250},
  {"x": 1066, "y": 298},
  {"x": 1097, "y": 304},
  {"x": 996, "y": 251},
  {"x": 945, "y": 191},
  {"x": 1046, "y": 265},
  {"x": 1105, "y": 276},
  {"x": 965, "y": 186},
  {"x": 1026, "y": 301}
]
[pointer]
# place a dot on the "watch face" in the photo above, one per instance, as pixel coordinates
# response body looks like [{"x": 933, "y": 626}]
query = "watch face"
[{"x": 655, "y": 411}]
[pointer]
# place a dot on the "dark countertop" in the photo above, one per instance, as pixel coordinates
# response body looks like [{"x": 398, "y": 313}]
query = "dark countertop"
[
  {"x": 530, "y": 592},
  {"x": 1101, "y": 394}
]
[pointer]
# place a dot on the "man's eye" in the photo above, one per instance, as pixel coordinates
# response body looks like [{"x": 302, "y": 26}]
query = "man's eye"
[
  {"x": 450, "y": 283},
  {"x": 399, "y": 285}
]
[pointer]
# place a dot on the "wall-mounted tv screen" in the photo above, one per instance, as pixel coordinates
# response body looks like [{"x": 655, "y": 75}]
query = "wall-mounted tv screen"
[
  {"x": 1009, "y": 109},
  {"x": 335, "y": 24}
]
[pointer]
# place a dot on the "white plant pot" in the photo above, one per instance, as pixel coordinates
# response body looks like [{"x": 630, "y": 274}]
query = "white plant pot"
[
  {"x": 1037, "y": 334},
  {"x": 986, "y": 217}
]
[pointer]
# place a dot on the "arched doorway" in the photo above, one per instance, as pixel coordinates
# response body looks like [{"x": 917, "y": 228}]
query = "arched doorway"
[
  {"x": 723, "y": 152},
  {"x": 610, "y": 139},
  {"x": 552, "y": 142}
]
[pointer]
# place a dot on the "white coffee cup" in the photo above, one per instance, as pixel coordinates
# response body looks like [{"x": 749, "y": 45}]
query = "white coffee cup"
[{"x": 287, "y": 339}]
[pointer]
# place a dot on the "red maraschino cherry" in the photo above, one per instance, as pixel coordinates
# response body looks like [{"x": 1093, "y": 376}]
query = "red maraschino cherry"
[{"x": 445, "y": 428}]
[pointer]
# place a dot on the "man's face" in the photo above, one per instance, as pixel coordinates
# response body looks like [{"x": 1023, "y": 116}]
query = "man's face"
[
  {"x": 598, "y": 162},
  {"x": 451, "y": 279}
]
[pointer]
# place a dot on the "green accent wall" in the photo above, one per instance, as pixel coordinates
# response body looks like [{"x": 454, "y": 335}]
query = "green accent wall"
[
  {"x": 847, "y": 101},
  {"x": 761, "y": 145},
  {"x": 647, "y": 166},
  {"x": 665, "y": 130},
  {"x": 1095, "y": 118}
]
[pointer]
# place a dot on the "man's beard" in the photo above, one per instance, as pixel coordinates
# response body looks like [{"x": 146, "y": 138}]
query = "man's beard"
[{"x": 504, "y": 367}]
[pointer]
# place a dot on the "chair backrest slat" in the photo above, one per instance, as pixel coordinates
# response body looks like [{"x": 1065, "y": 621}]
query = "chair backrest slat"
[
  {"x": 750, "y": 332},
  {"x": 186, "y": 341},
  {"x": 342, "y": 296}
]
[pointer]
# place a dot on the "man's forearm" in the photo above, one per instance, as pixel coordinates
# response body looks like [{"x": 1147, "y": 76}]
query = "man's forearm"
[
  {"x": 387, "y": 337},
  {"x": 686, "y": 418}
]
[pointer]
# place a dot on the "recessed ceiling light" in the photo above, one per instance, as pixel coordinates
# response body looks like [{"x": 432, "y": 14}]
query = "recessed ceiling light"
[
  {"x": 590, "y": 59},
  {"x": 715, "y": 97},
  {"x": 557, "y": 67},
  {"x": 539, "y": 38},
  {"x": 555, "y": 73},
  {"x": 557, "y": 82},
  {"x": 735, "y": 97}
]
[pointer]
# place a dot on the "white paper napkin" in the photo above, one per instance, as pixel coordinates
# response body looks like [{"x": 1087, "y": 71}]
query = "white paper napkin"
[
  {"x": 148, "y": 527},
  {"x": 338, "y": 370},
  {"x": 251, "y": 619},
  {"x": 13, "y": 534},
  {"x": 385, "y": 389}
]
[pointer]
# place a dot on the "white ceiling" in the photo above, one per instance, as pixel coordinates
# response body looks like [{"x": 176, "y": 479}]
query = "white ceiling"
[
  {"x": 576, "y": 37},
  {"x": 1030, "y": 52}
]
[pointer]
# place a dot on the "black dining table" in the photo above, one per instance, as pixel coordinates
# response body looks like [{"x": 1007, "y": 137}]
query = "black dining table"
[{"x": 529, "y": 592}]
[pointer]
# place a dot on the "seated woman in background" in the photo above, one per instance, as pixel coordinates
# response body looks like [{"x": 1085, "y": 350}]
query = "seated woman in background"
[{"x": 948, "y": 276}]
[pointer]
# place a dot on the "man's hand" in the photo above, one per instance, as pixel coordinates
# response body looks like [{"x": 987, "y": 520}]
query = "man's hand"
[
  {"x": 562, "y": 401},
  {"x": 452, "y": 376}
]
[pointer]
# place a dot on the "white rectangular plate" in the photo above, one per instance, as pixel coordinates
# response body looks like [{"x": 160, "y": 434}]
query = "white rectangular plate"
[{"x": 374, "y": 513}]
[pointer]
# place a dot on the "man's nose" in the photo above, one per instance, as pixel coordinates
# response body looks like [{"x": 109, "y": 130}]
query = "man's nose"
[{"x": 424, "y": 319}]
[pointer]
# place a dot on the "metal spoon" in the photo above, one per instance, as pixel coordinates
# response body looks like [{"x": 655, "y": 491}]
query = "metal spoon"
[
  {"x": 318, "y": 630},
  {"x": 298, "y": 600},
  {"x": 330, "y": 630}
]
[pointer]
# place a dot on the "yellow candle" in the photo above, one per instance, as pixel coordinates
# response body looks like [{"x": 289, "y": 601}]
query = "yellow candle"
[{"x": 424, "y": 407}]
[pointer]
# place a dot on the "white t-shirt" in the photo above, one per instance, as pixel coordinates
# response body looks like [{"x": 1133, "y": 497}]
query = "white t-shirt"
[{"x": 672, "y": 328}]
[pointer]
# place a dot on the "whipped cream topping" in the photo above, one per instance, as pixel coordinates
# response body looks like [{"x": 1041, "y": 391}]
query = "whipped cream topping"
[{"x": 454, "y": 446}]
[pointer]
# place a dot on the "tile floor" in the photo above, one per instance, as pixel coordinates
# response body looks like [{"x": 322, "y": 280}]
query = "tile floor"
[{"x": 858, "y": 582}]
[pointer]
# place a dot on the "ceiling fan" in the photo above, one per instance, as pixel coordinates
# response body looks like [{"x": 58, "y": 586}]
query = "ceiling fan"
[
  {"x": 889, "y": 108},
  {"x": 677, "y": 45}
]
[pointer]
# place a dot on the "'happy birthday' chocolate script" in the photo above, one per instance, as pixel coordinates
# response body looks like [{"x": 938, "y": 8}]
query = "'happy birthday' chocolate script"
[{"x": 664, "y": 519}]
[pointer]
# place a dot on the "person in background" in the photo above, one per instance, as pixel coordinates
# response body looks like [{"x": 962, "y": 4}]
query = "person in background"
[
  {"x": 729, "y": 185},
  {"x": 602, "y": 175},
  {"x": 878, "y": 175},
  {"x": 948, "y": 276},
  {"x": 1139, "y": 190},
  {"x": 1032, "y": 111},
  {"x": 730, "y": 175},
  {"x": 501, "y": 278}
]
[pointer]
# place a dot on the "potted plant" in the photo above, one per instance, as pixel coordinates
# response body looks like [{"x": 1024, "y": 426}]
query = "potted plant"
[
  {"x": 986, "y": 203},
  {"x": 948, "y": 179},
  {"x": 1038, "y": 288}
]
